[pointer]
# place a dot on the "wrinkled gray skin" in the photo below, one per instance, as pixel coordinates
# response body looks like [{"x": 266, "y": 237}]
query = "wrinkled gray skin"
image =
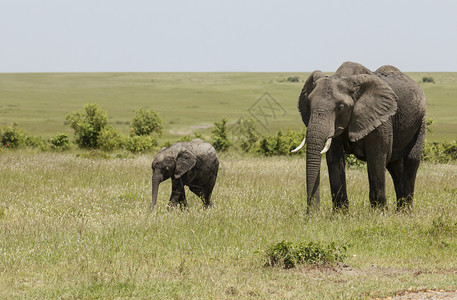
[
  {"x": 193, "y": 163},
  {"x": 378, "y": 116}
]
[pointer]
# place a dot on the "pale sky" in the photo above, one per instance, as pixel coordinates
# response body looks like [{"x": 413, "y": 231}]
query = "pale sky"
[{"x": 232, "y": 35}]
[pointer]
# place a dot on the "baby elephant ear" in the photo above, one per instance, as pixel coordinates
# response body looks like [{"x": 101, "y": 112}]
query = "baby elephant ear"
[
  {"x": 184, "y": 162},
  {"x": 374, "y": 101}
]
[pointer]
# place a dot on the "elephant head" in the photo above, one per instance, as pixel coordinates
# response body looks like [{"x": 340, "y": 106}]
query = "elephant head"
[
  {"x": 170, "y": 162},
  {"x": 351, "y": 103}
]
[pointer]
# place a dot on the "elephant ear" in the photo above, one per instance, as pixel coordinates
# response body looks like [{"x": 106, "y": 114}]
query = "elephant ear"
[
  {"x": 303, "y": 100},
  {"x": 374, "y": 101},
  {"x": 184, "y": 162}
]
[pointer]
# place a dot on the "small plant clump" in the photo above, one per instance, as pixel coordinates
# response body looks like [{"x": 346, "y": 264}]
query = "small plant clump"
[
  {"x": 110, "y": 139},
  {"x": 248, "y": 134},
  {"x": 140, "y": 143},
  {"x": 11, "y": 136},
  {"x": 88, "y": 125},
  {"x": 146, "y": 122},
  {"x": 440, "y": 152},
  {"x": 293, "y": 79},
  {"x": 352, "y": 162},
  {"x": 428, "y": 79},
  {"x": 288, "y": 254},
  {"x": 60, "y": 142},
  {"x": 279, "y": 144},
  {"x": 220, "y": 139}
]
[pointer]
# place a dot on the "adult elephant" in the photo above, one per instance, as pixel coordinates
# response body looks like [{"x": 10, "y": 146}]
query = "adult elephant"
[
  {"x": 378, "y": 116},
  {"x": 193, "y": 163}
]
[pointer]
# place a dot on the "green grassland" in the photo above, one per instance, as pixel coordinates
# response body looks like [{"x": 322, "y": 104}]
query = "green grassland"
[
  {"x": 187, "y": 102},
  {"x": 72, "y": 227},
  {"x": 77, "y": 227}
]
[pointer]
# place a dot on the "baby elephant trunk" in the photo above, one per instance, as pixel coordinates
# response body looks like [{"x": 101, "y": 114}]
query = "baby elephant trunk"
[{"x": 155, "y": 190}]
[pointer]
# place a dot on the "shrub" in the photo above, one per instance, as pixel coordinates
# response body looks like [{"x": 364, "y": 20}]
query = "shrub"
[
  {"x": 140, "y": 143},
  {"x": 36, "y": 142},
  {"x": 88, "y": 125},
  {"x": 245, "y": 133},
  {"x": 146, "y": 122},
  {"x": 288, "y": 254},
  {"x": 352, "y": 162},
  {"x": 220, "y": 140},
  {"x": 439, "y": 152},
  {"x": 110, "y": 139},
  {"x": 428, "y": 79},
  {"x": 279, "y": 144},
  {"x": 60, "y": 142},
  {"x": 293, "y": 79},
  {"x": 429, "y": 125},
  {"x": 12, "y": 136}
]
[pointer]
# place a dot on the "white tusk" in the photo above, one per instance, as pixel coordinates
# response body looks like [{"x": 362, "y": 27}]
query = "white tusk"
[
  {"x": 299, "y": 146},
  {"x": 327, "y": 145}
]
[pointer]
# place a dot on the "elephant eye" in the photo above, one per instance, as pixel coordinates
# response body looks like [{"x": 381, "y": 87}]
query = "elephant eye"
[{"x": 340, "y": 107}]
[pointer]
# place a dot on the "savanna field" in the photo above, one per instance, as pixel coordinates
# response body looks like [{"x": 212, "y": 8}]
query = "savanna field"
[{"x": 76, "y": 224}]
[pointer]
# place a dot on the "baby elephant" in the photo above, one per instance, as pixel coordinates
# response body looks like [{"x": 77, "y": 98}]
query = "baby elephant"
[{"x": 194, "y": 164}]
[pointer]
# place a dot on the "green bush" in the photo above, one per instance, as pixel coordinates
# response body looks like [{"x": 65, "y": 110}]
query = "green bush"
[
  {"x": 88, "y": 125},
  {"x": 440, "y": 152},
  {"x": 352, "y": 162},
  {"x": 293, "y": 79},
  {"x": 36, "y": 142},
  {"x": 279, "y": 144},
  {"x": 12, "y": 136},
  {"x": 60, "y": 142},
  {"x": 246, "y": 134},
  {"x": 288, "y": 254},
  {"x": 428, "y": 79},
  {"x": 146, "y": 122},
  {"x": 140, "y": 143},
  {"x": 429, "y": 125},
  {"x": 220, "y": 139},
  {"x": 110, "y": 139}
]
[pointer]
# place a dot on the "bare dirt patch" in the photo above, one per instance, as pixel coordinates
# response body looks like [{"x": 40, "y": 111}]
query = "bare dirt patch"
[
  {"x": 343, "y": 273},
  {"x": 424, "y": 294}
]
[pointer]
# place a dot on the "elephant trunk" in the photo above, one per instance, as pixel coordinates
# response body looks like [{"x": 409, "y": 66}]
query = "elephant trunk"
[
  {"x": 156, "y": 180},
  {"x": 315, "y": 143}
]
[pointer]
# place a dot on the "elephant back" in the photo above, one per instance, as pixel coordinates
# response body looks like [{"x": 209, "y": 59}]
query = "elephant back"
[{"x": 351, "y": 68}]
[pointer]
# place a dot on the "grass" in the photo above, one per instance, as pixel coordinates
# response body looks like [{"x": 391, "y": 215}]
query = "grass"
[
  {"x": 186, "y": 101},
  {"x": 77, "y": 225},
  {"x": 72, "y": 227}
]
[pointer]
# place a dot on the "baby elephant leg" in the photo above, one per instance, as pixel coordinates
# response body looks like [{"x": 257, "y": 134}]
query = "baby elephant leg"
[
  {"x": 203, "y": 193},
  {"x": 178, "y": 194}
]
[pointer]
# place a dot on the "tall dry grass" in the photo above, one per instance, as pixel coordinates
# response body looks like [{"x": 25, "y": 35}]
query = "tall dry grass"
[{"x": 72, "y": 227}]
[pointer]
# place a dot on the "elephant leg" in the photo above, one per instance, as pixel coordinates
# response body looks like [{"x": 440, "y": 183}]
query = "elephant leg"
[
  {"x": 203, "y": 193},
  {"x": 376, "y": 151},
  {"x": 207, "y": 196},
  {"x": 403, "y": 174},
  {"x": 396, "y": 172},
  {"x": 337, "y": 175},
  {"x": 411, "y": 165},
  {"x": 377, "y": 181},
  {"x": 209, "y": 191},
  {"x": 178, "y": 194},
  {"x": 410, "y": 171}
]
